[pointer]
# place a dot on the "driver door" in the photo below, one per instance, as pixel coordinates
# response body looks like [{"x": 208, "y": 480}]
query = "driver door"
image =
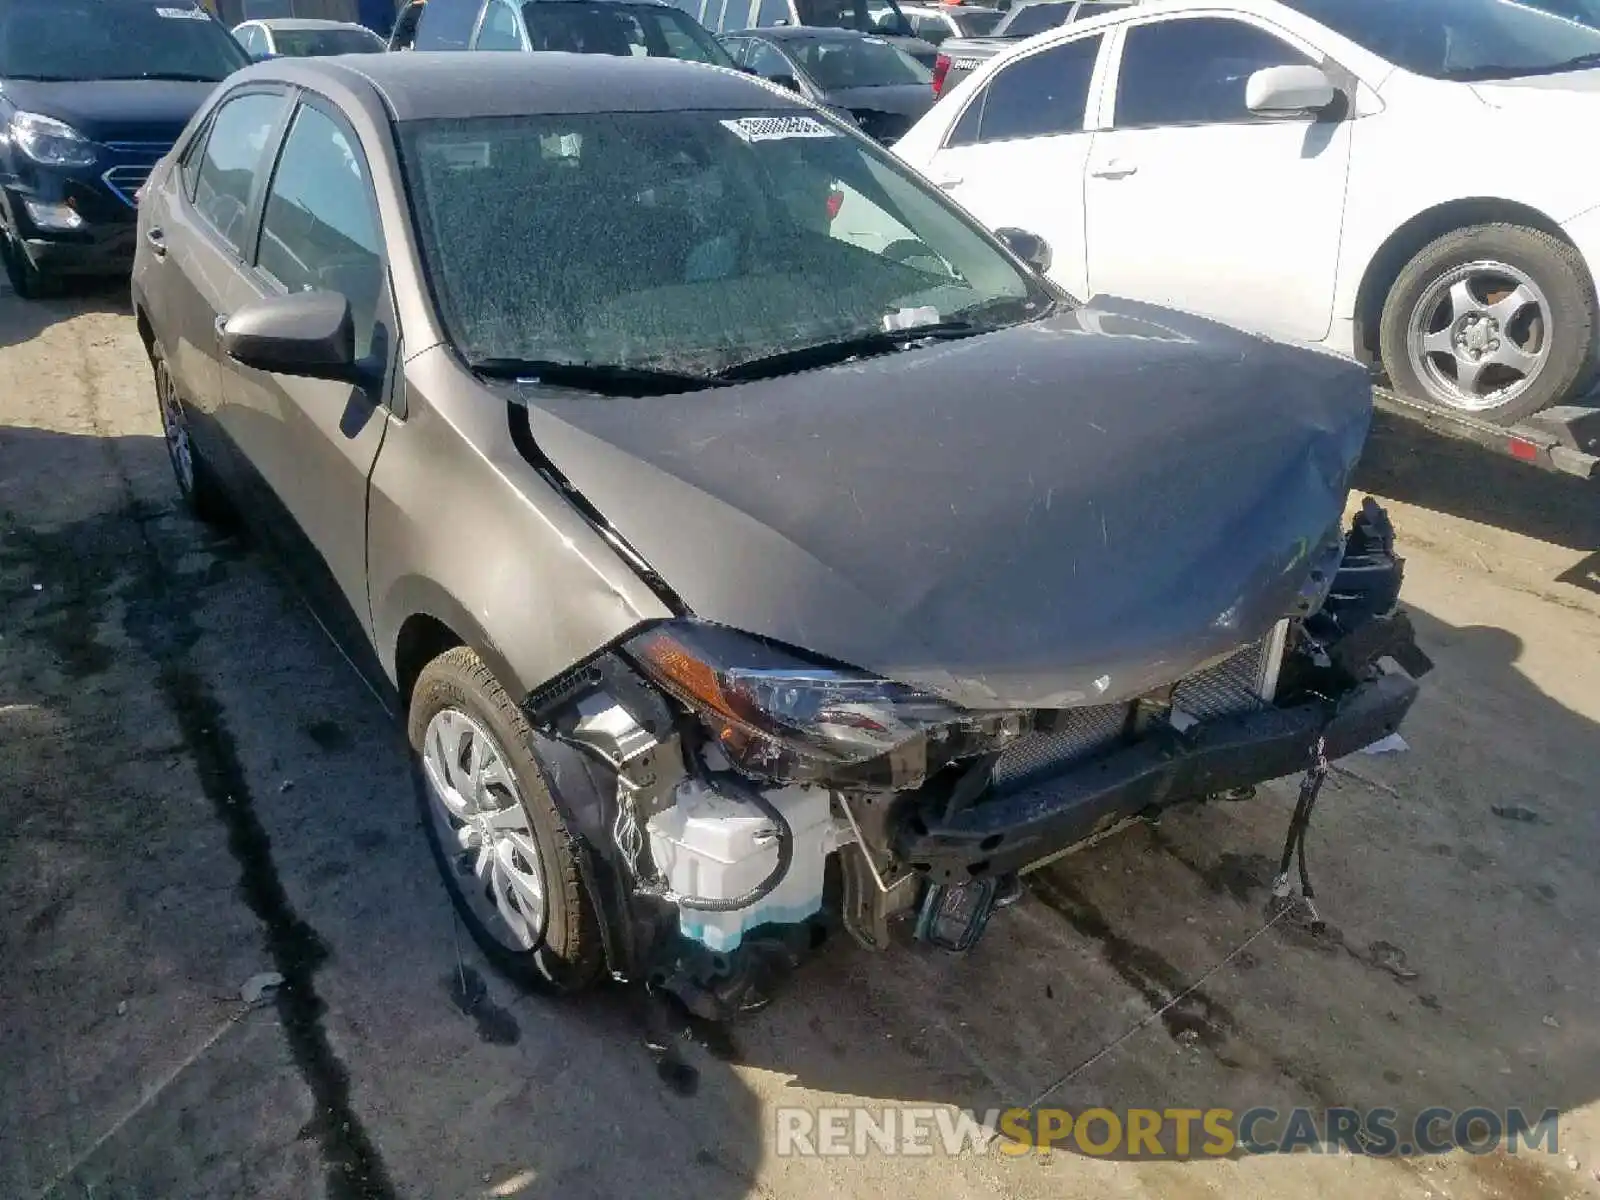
[
  {"x": 312, "y": 442},
  {"x": 1196, "y": 202}
]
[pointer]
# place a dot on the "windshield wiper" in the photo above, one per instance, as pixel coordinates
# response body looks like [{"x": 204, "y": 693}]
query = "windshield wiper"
[
  {"x": 607, "y": 379},
  {"x": 1494, "y": 72},
  {"x": 1591, "y": 59},
  {"x": 170, "y": 76},
  {"x": 825, "y": 354}
]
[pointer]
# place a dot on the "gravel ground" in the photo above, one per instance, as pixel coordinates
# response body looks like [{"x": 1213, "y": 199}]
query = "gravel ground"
[{"x": 194, "y": 790}]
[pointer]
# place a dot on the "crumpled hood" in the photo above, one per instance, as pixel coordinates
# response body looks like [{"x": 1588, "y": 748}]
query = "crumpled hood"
[
  {"x": 1072, "y": 511},
  {"x": 114, "y": 110}
]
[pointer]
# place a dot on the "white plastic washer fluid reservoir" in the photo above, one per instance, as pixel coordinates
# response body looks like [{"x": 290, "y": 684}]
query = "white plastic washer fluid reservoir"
[{"x": 710, "y": 845}]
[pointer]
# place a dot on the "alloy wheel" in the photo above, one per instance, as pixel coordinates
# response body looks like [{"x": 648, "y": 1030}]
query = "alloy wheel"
[
  {"x": 1479, "y": 335},
  {"x": 175, "y": 429},
  {"x": 484, "y": 829}
]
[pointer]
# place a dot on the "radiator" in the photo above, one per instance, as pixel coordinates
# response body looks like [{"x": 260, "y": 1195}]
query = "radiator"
[{"x": 1242, "y": 682}]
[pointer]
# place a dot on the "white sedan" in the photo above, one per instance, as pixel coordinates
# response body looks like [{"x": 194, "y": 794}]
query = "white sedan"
[{"x": 1409, "y": 182}]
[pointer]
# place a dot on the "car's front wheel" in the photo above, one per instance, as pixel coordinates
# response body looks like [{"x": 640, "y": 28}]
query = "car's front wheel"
[
  {"x": 1493, "y": 321},
  {"x": 507, "y": 858}
]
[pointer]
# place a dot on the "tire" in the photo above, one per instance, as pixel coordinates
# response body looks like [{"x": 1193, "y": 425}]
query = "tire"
[
  {"x": 201, "y": 493},
  {"x": 567, "y": 954},
  {"x": 27, "y": 281},
  {"x": 1524, "y": 291}
]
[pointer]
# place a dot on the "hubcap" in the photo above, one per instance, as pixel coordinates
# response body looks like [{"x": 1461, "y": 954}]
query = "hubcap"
[
  {"x": 478, "y": 814},
  {"x": 1479, "y": 336},
  {"x": 176, "y": 430}
]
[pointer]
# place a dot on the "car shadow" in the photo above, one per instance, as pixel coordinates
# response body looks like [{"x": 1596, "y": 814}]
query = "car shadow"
[
  {"x": 1406, "y": 461},
  {"x": 202, "y": 792},
  {"x": 201, "y": 802}
]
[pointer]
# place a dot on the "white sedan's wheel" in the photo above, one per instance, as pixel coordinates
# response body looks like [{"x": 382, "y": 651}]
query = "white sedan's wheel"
[{"x": 1496, "y": 321}]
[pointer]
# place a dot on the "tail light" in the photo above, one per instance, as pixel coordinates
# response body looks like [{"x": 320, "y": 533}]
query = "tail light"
[
  {"x": 835, "y": 202},
  {"x": 941, "y": 68}
]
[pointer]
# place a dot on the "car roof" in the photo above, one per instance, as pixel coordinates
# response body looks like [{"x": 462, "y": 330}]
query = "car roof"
[
  {"x": 806, "y": 33},
  {"x": 455, "y": 84},
  {"x": 291, "y": 24}
]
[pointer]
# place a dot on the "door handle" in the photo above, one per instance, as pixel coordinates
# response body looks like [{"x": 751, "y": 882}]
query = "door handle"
[
  {"x": 158, "y": 242},
  {"x": 1116, "y": 168},
  {"x": 220, "y": 325}
]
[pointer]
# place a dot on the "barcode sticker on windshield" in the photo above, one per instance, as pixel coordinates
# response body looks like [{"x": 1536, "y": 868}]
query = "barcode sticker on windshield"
[
  {"x": 768, "y": 129},
  {"x": 183, "y": 14}
]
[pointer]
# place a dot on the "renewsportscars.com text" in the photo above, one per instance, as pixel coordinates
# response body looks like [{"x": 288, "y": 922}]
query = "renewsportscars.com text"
[{"x": 1151, "y": 1133}]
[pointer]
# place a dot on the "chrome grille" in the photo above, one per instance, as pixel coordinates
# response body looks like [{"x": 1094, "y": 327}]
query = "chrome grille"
[
  {"x": 134, "y": 162},
  {"x": 1240, "y": 683}
]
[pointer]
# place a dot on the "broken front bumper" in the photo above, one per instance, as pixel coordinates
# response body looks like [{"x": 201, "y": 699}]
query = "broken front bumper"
[{"x": 1011, "y": 832}]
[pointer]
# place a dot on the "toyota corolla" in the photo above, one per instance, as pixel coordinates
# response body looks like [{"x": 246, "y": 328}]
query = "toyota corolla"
[{"x": 738, "y": 575}]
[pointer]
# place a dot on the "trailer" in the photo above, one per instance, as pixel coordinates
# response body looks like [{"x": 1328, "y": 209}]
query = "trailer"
[{"x": 1565, "y": 438}]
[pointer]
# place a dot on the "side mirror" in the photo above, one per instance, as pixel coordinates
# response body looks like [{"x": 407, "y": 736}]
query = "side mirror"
[
  {"x": 1029, "y": 247},
  {"x": 1295, "y": 89},
  {"x": 305, "y": 334}
]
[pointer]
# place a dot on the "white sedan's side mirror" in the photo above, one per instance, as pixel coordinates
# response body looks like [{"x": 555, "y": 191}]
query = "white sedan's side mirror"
[{"x": 1292, "y": 89}]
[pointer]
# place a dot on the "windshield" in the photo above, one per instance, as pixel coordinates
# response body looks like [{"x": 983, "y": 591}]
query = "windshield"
[
  {"x": 606, "y": 27},
  {"x": 311, "y": 43},
  {"x": 848, "y": 62},
  {"x": 77, "y": 40},
  {"x": 689, "y": 241},
  {"x": 868, "y": 16},
  {"x": 1461, "y": 39},
  {"x": 1035, "y": 18}
]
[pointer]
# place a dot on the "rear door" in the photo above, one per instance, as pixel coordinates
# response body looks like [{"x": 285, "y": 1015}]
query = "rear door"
[
  {"x": 312, "y": 442},
  {"x": 1016, "y": 154}
]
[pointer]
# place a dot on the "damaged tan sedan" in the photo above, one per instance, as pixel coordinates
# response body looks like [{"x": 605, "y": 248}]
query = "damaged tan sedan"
[{"x": 739, "y": 576}]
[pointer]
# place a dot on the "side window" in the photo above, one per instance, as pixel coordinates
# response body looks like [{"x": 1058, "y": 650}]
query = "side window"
[
  {"x": 499, "y": 30},
  {"x": 932, "y": 30},
  {"x": 1193, "y": 72},
  {"x": 738, "y": 14},
  {"x": 736, "y": 48},
  {"x": 194, "y": 153},
  {"x": 320, "y": 225},
  {"x": 233, "y": 159},
  {"x": 446, "y": 24},
  {"x": 768, "y": 63},
  {"x": 1042, "y": 95}
]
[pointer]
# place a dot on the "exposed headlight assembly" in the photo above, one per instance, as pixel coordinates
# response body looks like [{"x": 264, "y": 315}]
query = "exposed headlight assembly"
[
  {"x": 781, "y": 716},
  {"x": 51, "y": 142}
]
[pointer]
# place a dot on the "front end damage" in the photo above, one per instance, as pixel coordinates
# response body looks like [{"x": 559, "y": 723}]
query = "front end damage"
[{"x": 722, "y": 839}]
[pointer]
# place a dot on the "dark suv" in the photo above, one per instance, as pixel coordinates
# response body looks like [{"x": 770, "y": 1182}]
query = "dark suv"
[
  {"x": 92, "y": 94},
  {"x": 619, "y": 27}
]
